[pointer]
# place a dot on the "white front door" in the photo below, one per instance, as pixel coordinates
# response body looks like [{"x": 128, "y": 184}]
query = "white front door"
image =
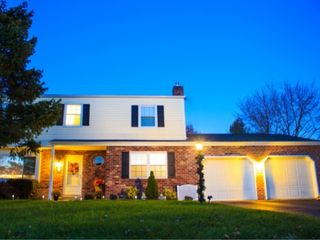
[
  {"x": 73, "y": 175},
  {"x": 229, "y": 178},
  {"x": 290, "y": 178}
]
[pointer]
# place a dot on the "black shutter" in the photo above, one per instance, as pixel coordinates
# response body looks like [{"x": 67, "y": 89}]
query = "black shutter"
[
  {"x": 60, "y": 120},
  {"x": 160, "y": 110},
  {"x": 125, "y": 165},
  {"x": 86, "y": 115},
  {"x": 171, "y": 165},
  {"x": 134, "y": 116}
]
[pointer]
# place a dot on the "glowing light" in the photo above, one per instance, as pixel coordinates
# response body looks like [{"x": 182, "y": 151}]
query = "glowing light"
[
  {"x": 58, "y": 166},
  {"x": 259, "y": 167},
  {"x": 199, "y": 146}
]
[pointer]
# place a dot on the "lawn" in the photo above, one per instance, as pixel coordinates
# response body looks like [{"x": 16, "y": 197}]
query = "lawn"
[{"x": 147, "y": 219}]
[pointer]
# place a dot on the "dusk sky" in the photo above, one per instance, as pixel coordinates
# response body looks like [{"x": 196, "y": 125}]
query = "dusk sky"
[{"x": 220, "y": 51}]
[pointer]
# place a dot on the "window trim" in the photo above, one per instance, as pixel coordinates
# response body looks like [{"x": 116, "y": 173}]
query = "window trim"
[
  {"x": 65, "y": 115},
  {"x": 155, "y": 116},
  {"x": 148, "y": 163}
]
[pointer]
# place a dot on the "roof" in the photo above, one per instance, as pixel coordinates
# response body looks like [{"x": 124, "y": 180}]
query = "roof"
[
  {"x": 108, "y": 96},
  {"x": 247, "y": 138}
]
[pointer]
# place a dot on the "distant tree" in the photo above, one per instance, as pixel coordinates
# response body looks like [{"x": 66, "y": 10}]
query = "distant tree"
[
  {"x": 22, "y": 117},
  {"x": 292, "y": 109},
  {"x": 190, "y": 129},
  {"x": 238, "y": 127}
]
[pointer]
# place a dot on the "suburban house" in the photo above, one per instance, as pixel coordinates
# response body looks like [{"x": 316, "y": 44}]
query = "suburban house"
[{"x": 121, "y": 138}]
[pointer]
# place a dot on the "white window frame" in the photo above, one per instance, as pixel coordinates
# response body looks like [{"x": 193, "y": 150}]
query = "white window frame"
[
  {"x": 65, "y": 115},
  {"x": 155, "y": 116},
  {"x": 148, "y": 163}
]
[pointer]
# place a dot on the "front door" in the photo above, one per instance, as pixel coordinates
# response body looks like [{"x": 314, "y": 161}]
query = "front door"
[{"x": 73, "y": 175}]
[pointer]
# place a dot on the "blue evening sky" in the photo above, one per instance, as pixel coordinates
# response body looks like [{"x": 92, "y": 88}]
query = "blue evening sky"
[{"x": 221, "y": 51}]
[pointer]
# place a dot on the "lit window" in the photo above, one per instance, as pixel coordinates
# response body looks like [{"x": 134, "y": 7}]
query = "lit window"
[
  {"x": 148, "y": 116},
  {"x": 73, "y": 115},
  {"x": 16, "y": 167},
  {"x": 142, "y": 163}
]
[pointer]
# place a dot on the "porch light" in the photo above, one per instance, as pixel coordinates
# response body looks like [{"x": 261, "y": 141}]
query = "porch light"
[
  {"x": 259, "y": 167},
  {"x": 199, "y": 146},
  {"x": 58, "y": 166}
]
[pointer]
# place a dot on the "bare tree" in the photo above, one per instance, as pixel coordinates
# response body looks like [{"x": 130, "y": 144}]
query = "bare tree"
[{"x": 292, "y": 109}]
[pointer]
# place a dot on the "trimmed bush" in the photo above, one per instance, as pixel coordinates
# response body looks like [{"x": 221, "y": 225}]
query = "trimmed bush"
[
  {"x": 169, "y": 194},
  {"x": 138, "y": 184},
  {"x": 152, "y": 187},
  {"x": 188, "y": 198},
  {"x": 21, "y": 188},
  {"x": 88, "y": 197},
  {"x": 113, "y": 197},
  {"x": 132, "y": 192}
]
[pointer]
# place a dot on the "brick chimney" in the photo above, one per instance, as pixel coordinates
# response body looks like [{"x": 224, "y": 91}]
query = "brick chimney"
[{"x": 177, "y": 90}]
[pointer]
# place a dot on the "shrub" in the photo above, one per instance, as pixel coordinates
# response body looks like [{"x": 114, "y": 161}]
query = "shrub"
[
  {"x": 132, "y": 192},
  {"x": 6, "y": 190},
  {"x": 88, "y": 197},
  {"x": 123, "y": 194},
  {"x": 188, "y": 198},
  {"x": 22, "y": 187},
  {"x": 98, "y": 194},
  {"x": 169, "y": 194},
  {"x": 152, "y": 187},
  {"x": 138, "y": 184},
  {"x": 113, "y": 197}
]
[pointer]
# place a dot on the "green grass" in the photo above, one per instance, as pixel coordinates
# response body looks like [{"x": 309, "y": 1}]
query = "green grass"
[{"x": 147, "y": 219}]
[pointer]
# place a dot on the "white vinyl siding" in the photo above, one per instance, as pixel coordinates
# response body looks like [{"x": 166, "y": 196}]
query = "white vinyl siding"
[
  {"x": 142, "y": 163},
  {"x": 110, "y": 118}
]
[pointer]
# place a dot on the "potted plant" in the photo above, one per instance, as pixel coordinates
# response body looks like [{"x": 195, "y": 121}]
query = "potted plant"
[
  {"x": 98, "y": 188},
  {"x": 56, "y": 194}
]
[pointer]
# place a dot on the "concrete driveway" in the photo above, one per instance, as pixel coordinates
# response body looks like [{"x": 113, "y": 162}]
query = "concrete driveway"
[{"x": 306, "y": 207}]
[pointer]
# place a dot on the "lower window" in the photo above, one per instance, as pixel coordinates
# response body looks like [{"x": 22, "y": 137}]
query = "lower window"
[
  {"x": 16, "y": 167},
  {"x": 142, "y": 163}
]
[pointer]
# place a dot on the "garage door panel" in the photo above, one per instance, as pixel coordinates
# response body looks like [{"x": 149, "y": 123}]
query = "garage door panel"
[
  {"x": 289, "y": 178},
  {"x": 229, "y": 179}
]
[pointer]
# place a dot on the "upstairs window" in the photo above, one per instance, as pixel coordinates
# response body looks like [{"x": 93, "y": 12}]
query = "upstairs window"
[
  {"x": 148, "y": 116},
  {"x": 73, "y": 115}
]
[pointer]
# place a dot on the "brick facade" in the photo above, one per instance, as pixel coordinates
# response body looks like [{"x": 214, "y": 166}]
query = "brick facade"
[{"x": 186, "y": 167}]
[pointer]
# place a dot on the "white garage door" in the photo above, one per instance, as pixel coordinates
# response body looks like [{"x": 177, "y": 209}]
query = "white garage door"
[
  {"x": 229, "y": 178},
  {"x": 290, "y": 178}
]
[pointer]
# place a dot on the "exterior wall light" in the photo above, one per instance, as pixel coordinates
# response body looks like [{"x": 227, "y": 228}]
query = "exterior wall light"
[
  {"x": 259, "y": 167},
  {"x": 58, "y": 166},
  {"x": 199, "y": 146}
]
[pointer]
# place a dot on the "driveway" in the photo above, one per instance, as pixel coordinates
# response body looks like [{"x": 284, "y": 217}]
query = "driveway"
[{"x": 306, "y": 207}]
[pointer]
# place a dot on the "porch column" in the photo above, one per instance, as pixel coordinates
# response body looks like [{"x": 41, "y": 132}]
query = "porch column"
[{"x": 51, "y": 173}]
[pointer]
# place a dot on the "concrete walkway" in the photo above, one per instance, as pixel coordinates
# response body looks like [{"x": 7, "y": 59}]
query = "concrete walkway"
[{"x": 306, "y": 207}]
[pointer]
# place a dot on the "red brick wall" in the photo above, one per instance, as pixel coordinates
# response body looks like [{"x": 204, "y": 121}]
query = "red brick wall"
[{"x": 185, "y": 165}]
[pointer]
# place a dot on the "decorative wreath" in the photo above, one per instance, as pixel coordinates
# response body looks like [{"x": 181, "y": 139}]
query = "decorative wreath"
[{"x": 73, "y": 168}]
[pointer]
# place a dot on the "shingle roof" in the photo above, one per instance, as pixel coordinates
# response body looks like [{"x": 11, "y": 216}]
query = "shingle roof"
[{"x": 247, "y": 138}]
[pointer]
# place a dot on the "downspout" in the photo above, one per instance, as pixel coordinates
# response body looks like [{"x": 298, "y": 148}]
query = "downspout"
[{"x": 51, "y": 172}]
